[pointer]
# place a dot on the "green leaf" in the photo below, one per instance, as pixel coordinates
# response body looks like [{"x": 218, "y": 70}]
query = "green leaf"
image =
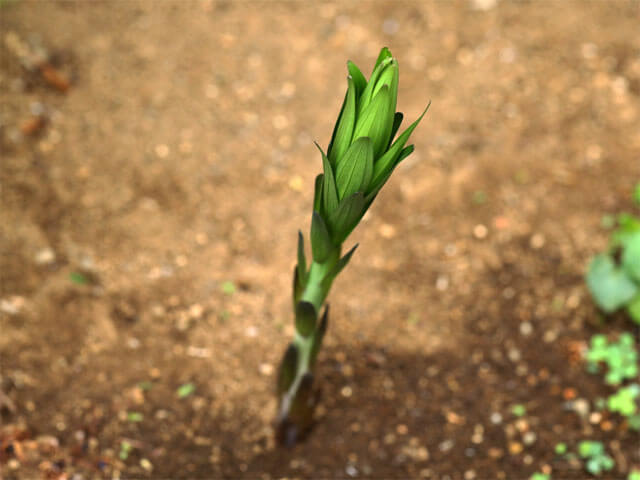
[
  {"x": 228, "y": 287},
  {"x": 628, "y": 225},
  {"x": 384, "y": 54},
  {"x": 405, "y": 153},
  {"x": 135, "y": 417},
  {"x": 610, "y": 286},
  {"x": 317, "y": 193},
  {"x": 185, "y": 390},
  {"x": 288, "y": 367},
  {"x": 397, "y": 121},
  {"x": 355, "y": 168},
  {"x": 376, "y": 121},
  {"x": 329, "y": 191},
  {"x": 385, "y": 164},
  {"x": 347, "y": 216},
  {"x": 631, "y": 256},
  {"x": 302, "y": 261},
  {"x": 346, "y": 124},
  {"x": 318, "y": 336},
  {"x": 305, "y": 318},
  {"x": 358, "y": 78},
  {"x": 78, "y": 278},
  {"x": 343, "y": 261},
  {"x": 298, "y": 287},
  {"x": 367, "y": 94},
  {"x": 321, "y": 244},
  {"x": 633, "y": 308}
]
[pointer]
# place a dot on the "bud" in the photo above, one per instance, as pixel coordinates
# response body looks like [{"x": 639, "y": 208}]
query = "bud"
[{"x": 362, "y": 154}]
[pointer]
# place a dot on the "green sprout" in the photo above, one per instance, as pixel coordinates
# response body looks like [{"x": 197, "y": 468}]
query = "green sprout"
[
  {"x": 361, "y": 156},
  {"x": 634, "y": 475},
  {"x": 561, "y": 448},
  {"x": 135, "y": 417},
  {"x": 540, "y": 476},
  {"x": 625, "y": 402},
  {"x": 597, "y": 460},
  {"x": 125, "y": 449},
  {"x": 620, "y": 357},
  {"x": 613, "y": 277},
  {"x": 519, "y": 410},
  {"x": 185, "y": 390}
]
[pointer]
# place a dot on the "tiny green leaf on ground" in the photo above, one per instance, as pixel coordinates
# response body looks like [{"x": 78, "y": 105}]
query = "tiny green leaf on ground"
[
  {"x": 479, "y": 197},
  {"x": 540, "y": 476},
  {"x": 228, "y": 287},
  {"x": 145, "y": 385},
  {"x": 631, "y": 256},
  {"x": 561, "y": 448},
  {"x": 519, "y": 410},
  {"x": 135, "y": 417},
  {"x": 125, "y": 449},
  {"x": 78, "y": 278},
  {"x": 185, "y": 390},
  {"x": 610, "y": 286},
  {"x": 634, "y": 475}
]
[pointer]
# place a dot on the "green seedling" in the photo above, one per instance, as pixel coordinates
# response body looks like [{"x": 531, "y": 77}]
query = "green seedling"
[
  {"x": 625, "y": 402},
  {"x": 134, "y": 417},
  {"x": 634, "y": 475},
  {"x": 361, "y": 156},
  {"x": 185, "y": 390},
  {"x": 597, "y": 460},
  {"x": 620, "y": 357},
  {"x": 613, "y": 277},
  {"x": 560, "y": 448},
  {"x": 519, "y": 410},
  {"x": 540, "y": 476},
  {"x": 228, "y": 287},
  {"x": 125, "y": 450}
]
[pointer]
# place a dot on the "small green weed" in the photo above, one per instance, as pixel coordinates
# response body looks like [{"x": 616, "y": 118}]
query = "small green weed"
[
  {"x": 620, "y": 357},
  {"x": 597, "y": 460}
]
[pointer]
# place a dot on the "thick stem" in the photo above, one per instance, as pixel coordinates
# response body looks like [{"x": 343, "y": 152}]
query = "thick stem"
[{"x": 315, "y": 292}]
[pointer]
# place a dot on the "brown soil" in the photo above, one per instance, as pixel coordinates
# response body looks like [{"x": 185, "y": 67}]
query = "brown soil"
[{"x": 180, "y": 157}]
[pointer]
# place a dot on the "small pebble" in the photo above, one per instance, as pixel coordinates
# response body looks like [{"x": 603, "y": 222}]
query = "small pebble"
[
  {"x": 162, "y": 151},
  {"x": 266, "y": 369},
  {"x": 446, "y": 445},
  {"x": 351, "y": 470},
  {"x": 480, "y": 231},
  {"x": 146, "y": 464},
  {"x": 581, "y": 407},
  {"x": 496, "y": 418},
  {"x": 442, "y": 283},
  {"x": 515, "y": 448},
  {"x": 470, "y": 475},
  {"x": 537, "y": 241},
  {"x": 46, "y": 256},
  {"x": 526, "y": 329},
  {"x": 402, "y": 429},
  {"x": 387, "y": 230},
  {"x": 296, "y": 183},
  {"x": 529, "y": 438},
  {"x": 346, "y": 391}
]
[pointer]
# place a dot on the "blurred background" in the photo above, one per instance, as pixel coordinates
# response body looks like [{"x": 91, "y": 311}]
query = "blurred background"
[{"x": 157, "y": 161}]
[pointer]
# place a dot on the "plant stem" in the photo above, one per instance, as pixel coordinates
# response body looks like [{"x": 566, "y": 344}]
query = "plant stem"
[{"x": 315, "y": 292}]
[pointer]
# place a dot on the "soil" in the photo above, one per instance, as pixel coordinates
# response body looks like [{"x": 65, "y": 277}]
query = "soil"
[{"x": 154, "y": 176}]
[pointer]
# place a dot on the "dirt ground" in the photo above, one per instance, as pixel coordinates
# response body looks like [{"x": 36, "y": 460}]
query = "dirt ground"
[{"x": 153, "y": 180}]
